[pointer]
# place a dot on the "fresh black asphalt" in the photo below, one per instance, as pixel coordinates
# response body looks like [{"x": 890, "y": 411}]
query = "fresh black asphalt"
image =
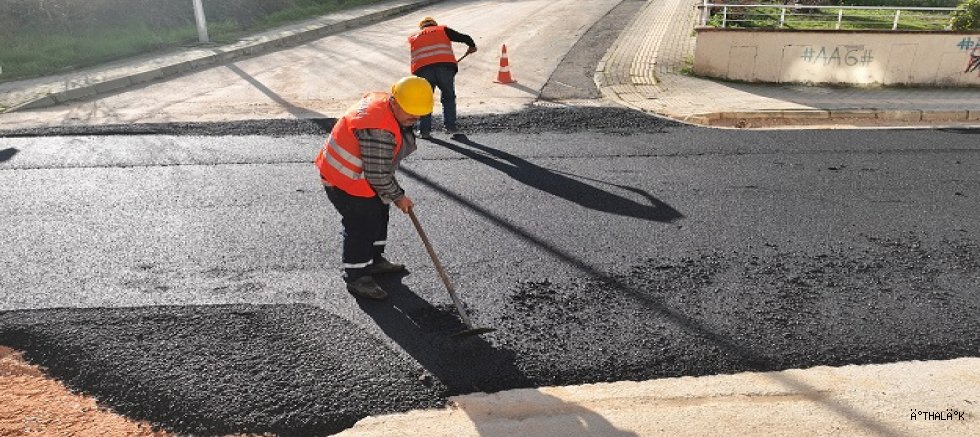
[
  {"x": 603, "y": 245},
  {"x": 635, "y": 300}
]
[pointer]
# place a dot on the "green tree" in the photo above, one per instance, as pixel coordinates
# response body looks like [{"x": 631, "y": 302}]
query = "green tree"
[{"x": 967, "y": 16}]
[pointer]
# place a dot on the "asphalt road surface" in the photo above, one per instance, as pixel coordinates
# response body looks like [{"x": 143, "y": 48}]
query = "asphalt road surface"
[{"x": 193, "y": 280}]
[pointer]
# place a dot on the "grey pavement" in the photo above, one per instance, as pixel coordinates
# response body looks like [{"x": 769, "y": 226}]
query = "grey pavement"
[{"x": 644, "y": 70}]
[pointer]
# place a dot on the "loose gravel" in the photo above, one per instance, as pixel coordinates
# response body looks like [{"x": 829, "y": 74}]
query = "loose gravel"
[{"x": 533, "y": 119}]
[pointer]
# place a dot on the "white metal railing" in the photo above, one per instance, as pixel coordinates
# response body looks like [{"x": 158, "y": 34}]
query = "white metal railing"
[{"x": 732, "y": 15}]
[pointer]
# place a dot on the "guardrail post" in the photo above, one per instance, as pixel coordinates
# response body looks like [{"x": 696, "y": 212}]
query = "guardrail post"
[
  {"x": 724, "y": 16},
  {"x": 202, "y": 24},
  {"x": 782, "y": 16},
  {"x": 840, "y": 16},
  {"x": 705, "y": 13},
  {"x": 895, "y": 24}
]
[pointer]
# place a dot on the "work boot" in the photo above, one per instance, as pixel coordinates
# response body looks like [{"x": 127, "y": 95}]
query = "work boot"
[
  {"x": 384, "y": 267},
  {"x": 424, "y": 135},
  {"x": 366, "y": 287},
  {"x": 452, "y": 130}
]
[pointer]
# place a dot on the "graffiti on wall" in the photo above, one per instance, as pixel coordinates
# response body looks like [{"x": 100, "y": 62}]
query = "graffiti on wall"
[
  {"x": 974, "y": 63},
  {"x": 972, "y": 48},
  {"x": 839, "y": 56},
  {"x": 967, "y": 43}
]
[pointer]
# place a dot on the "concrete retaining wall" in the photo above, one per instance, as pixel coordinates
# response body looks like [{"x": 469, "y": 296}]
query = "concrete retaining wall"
[{"x": 839, "y": 57}]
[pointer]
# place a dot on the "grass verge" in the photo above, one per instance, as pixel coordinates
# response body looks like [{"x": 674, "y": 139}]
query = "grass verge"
[{"x": 39, "y": 53}]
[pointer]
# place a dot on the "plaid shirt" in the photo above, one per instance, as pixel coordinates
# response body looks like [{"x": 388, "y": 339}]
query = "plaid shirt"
[{"x": 380, "y": 162}]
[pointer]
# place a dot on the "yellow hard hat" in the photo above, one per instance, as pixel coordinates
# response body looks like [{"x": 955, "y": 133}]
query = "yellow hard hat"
[
  {"x": 427, "y": 21},
  {"x": 414, "y": 95}
]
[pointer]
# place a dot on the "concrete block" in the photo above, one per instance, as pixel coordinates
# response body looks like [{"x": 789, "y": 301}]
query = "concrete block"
[
  {"x": 806, "y": 113},
  {"x": 112, "y": 85},
  {"x": 852, "y": 113},
  {"x": 708, "y": 115},
  {"x": 42, "y": 102},
  {"x": 973, "y": 115},
  {"x": 146, "y": 76},
  {"x": 228, "y": 56},
  {"x": 696, "y": 119},
  {"x": 945, "y": 115},
  {"x": 173, "y": 69},
  {"x": 900, "y": 115},
  {"x": 204, "y": 61},
  {"x": 761, "y": 114},
  {"x": 74, "y": 94}
]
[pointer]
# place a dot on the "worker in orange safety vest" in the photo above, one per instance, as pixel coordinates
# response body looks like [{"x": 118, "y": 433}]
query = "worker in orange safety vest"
[
  {"x": 357, "y": 166},
  {"x": 434, "y": 60}
]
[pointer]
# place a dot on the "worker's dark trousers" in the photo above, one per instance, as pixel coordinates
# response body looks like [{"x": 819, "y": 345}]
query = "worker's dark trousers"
[
  {"x": 443, "y": 78},
  {"x": 365, "y": 222}
]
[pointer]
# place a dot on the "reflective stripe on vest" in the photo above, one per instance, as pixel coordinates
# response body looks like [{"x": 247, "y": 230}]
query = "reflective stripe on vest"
[
  {"x": 429, "y": 46},
  {"x": 332, "y": 146},
  {"x": 434, "y": 50}
]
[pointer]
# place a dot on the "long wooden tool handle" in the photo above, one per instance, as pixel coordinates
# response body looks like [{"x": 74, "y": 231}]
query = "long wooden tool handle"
[{"x": 442, "y": 272}]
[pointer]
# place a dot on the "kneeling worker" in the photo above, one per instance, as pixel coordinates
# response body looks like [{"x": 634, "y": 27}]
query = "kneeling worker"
[{"x": 357, "y": 167}]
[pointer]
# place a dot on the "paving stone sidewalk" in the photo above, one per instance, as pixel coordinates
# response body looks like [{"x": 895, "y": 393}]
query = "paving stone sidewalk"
[{"x": 645, "y": 70}]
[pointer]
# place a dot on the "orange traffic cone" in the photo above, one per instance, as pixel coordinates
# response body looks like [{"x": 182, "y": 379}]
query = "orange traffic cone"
[{"x": 503, "y": 76}]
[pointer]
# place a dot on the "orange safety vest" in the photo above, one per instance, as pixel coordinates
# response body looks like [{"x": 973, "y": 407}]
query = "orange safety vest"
[
  {"x": 430, "y": 45},
  {"x": 339, "y": 160}
]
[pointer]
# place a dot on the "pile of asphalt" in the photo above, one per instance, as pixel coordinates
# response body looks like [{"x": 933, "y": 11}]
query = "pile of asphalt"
[
  {"x": 299, "y": 370},
  {"x": 218, "y": 370},
  {"x": 533, "y": 119},
  {"x": 601, "y": 120},
  {"x": 896, "y": 299}
]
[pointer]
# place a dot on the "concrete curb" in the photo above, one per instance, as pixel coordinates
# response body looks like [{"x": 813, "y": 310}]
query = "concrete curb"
[
  {"x": 817, "y": 116},
  {"x": 907, "y": 398},
  {"x": 288, "y": 36}
]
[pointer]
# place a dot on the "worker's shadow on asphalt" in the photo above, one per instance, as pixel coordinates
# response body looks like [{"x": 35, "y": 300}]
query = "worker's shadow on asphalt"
[
  {"x": 562, "y": 185},
  {"x": 472, "y": 364},
  {"x": 463, "y": 365},
  {"x": 7, "y": 153}
]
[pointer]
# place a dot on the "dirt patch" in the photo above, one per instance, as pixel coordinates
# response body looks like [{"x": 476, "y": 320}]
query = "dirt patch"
[{"x": 31, "y": 404}]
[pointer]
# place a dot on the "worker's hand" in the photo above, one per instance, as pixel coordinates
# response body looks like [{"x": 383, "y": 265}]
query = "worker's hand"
[
  {"x": 471, "y": 50},
  {"x": 405, "y": 204}
]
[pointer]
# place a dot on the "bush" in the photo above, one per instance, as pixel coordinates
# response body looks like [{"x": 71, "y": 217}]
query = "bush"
[{"x": 967, "y": 17}]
